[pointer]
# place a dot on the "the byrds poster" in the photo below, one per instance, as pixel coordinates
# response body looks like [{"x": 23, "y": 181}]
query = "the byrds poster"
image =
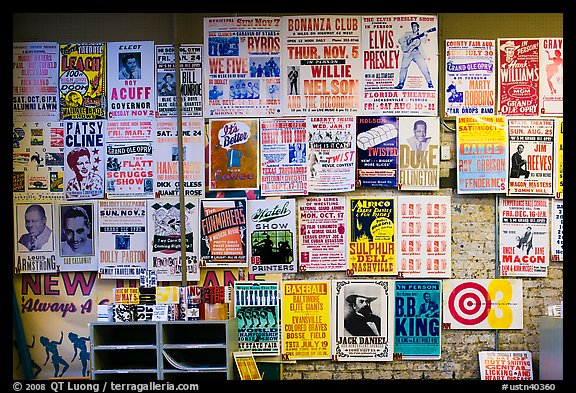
[
  {"x": 362, "y": 320},
  {"x": 519, "y": 76},
  {"x": 223, "y": 232},
  {"x": 306, "y": 327},
  {"x": 419, "y": 156},
  {"x": 559, "y": 160},
  {"x": 417, "y": 319},
  {"x": 400, "y": 65},
  {"x": 38, "y": 161},
  {"x": 166, "y": 155},
  {"x": 283, "y": 154},
  {"x": 191, "y": 91},
  {"x": 482, "y": 155},
  {"x": 77, "y": 241},
  {"x": 322, "y": 65},
  {"x": 552, "y": 76},
  {"x": 470, "y": 77},
  {"x": 482, "y": 304},
  {"x": 243, "y": 70},
  {"x": 371, "y": 236},
  {"x": 505, "y": 365},
  {"x": 131, "y": 77},
  {"x": 331, "y": 154},
  {"x": 257, "y": 308},
  {"x": 322, "y": 233},
  {"x": 424, "y": 236},
  {"x": 35, "y": 81},
  {"x": 129, "y": 170},
  {"x": 272, "y": 236},
  {"x": 557, "y": 233},
  {"x": 377, "y": 150},
  {"x": 35, "y": 234},
  {"x": 84, "y": 158},
  {"x": 123, "y": 239},
  {"x": 233, "y": 148},
  {"x": 524, "y": 245},
  {"x": 83, "y": 83},
  {"x": 165, "y": 248},
  {"x": 531, "y": 156}
]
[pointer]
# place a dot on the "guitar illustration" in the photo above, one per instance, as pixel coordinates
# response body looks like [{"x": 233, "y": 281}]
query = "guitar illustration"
[{"x": 409, "y": 43}]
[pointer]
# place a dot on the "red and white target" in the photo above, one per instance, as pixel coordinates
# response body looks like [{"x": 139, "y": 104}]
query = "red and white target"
[{"x": 469, "y": 303}]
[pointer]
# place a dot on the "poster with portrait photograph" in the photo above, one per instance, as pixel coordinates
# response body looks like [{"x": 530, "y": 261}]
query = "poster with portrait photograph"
[
  {"x": 552, "y": 76},
  {"x": 34, "y": 238},
  {"x": 78, "y": 239},
  {"x": 131, "y": 80},
  {"x": 129, "y": 170},
  {"x": 84, "y": 158},
  {"x": 362, "y": 320}
]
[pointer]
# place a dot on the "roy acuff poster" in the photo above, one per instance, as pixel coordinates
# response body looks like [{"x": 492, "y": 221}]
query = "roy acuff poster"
[
  {"x": 417, "y": 319},
  {"x": 524, "y": 236},
  {"x": 84, "y": 159},
  {"x": 34, "y": 238},
  {"x": 322, "y": 65},
  {"x": 505, "y": 365},
  {"x": 165, "y": 248},
  {"x": 272, "y": 236},
  {"x": 35, "y": 81},
  {"x": 306, "y": 326},
  {"x": 129, "y": 170},
  {"x": 223, "y": 232},
  {"x": 131, "y": 77},
  {"x": 482, "y": 304},
  {"x": 377, "y": 142},
  {"x": 283, "y": 151},
  {"x": 419, "y": 156},
  {"x": 552, "y": 76},
  {"x": 424, "y": 236},
  {"x": 38, "y": 161},
  {"x": 233, "y": 151},
  {"x": 83, "y": 85},
  {"x": 400, "y": 59},
  {"x": 531, "y": 156},
  {"x": 371, "y": 236},
  {"x": 122, "y": 236},
  {"x": 322, "y": 233},
  {"x": 257, "y": 307},
  {"x": 78, "y": 240},
  {"x": 362, "y": 320}
]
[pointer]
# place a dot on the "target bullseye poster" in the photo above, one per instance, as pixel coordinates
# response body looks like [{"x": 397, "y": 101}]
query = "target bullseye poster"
[{"x": 482, "y": 304}]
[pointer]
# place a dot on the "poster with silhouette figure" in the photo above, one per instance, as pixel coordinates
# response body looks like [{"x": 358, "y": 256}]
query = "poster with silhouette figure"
[{"x": 552, "y": 76}]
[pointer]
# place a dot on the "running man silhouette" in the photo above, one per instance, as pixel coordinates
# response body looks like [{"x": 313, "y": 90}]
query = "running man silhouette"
[
  {"x": 52, "y": 348},
  {"x": 80, "y": 344}
]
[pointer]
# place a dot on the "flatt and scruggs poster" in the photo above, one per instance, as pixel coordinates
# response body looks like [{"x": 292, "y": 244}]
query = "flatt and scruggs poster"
[
  {"x": 272, "y": 236},
  {"x": 531, "y": 156},
  {"x": 322, "y": 65},
  {"x": 233, "y": 151},
  {"x": 371, "y": 236},
  {"x": 131, "y": 77},
  {"x": 362, "y": 320},
  {"x": 419, "y": 157},
  {"x": 35, "y": 81},
  {"x": 283, "y": 153},
  {"x": 83, "y": 83},
  {"x": 123, "y": 239},
  {"x": 331, "y": 154},
  {"x": 524, "y": 236},
  {"x": 242, "y": 66},
  {"x": 129, "y": 170},
  {"x": 552, "y": 76},
  {"x": 400, "y": 65},
  {"x": 84, "y": 158},
  {"x": 38, "y": 161},
  {"x": 322, "y": 233}
]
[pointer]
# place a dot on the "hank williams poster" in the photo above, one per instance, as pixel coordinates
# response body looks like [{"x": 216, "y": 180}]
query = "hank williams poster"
[
  {"x": 272, "y": 236},
  {"x": 132, "y": 75},
  {"x": 371, "y": 236},
  {"x": 362, "y": 320},
  {"x": 190, "y": 80},
  {"x": 524, "y": 236},
  {"x": 400, "y": 65},
  {"x": 78, "y": 239},
  {"x": 38, "y": 161},
  {"x": 552, "y": 76},
  {"x": 321, "y": 65},
  {"x": 243, "y": 71},
  {"x": 417, "y": 319},
  {"x": 83, "y": 85},
  {"x": 470, "y": 77},
  {"x": 233, "y": 151},
  {"x": 35, "y": 81}
]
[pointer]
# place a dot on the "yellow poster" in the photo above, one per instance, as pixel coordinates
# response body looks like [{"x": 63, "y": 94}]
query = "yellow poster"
[{"x": 559, "y": 143}]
